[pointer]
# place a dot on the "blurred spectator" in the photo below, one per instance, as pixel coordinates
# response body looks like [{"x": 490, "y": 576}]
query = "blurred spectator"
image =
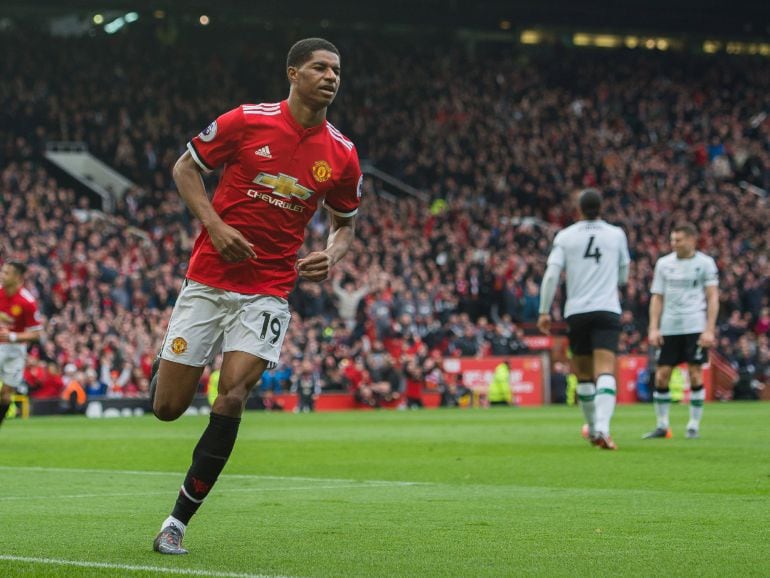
[
  {"x": 747, "y": 363},
  {"x": 348, "y": 299},
  {"x": 73, "y": 395},
  {"x": 415, "y": 382},
  {"x": 499, "y": 392},
  {"x": 306, "y": 384}
]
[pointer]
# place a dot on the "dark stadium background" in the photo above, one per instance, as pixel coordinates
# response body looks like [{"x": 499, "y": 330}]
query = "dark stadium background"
[
  {"x": 744, "y": 18},
  {"x": 113, "y": 343}
]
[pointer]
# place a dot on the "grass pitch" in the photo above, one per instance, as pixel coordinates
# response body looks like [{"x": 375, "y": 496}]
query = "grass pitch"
[{"x": 499, "y": 492}]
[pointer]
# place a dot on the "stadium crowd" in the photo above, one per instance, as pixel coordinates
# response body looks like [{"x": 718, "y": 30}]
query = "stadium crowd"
[{"x": 497, "y": 140}]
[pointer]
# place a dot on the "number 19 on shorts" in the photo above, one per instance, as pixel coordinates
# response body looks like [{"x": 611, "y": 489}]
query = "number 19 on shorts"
[{"x": 271, "y": 328}]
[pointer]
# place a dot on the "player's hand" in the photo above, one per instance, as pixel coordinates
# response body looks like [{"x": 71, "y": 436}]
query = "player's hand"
[
  {"x": 654, "y": 337},
  {"x": 544, "y": 323},
  {"x": 231, "y": 244},
  {"x": 314, "y": 267},
  {"x": 706, "y": 339}
]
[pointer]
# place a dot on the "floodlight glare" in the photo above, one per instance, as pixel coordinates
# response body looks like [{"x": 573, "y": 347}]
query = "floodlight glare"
[{"x": 115, "y": 25}]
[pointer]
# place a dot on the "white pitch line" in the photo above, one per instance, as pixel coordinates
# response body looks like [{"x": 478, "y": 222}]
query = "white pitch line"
[
  {"x": 218, "y": 491},
  {"x": 132, "y": 568},
  {"x": 230, "y": 476}
]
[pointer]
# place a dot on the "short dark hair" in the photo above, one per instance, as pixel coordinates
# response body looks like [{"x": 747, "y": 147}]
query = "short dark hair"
[
  {"x": 20, "y": 267},
  {"x": 590, "y": 202},
  {"x": 301, "y": 52},
  {"x": 685, "y": 227}
]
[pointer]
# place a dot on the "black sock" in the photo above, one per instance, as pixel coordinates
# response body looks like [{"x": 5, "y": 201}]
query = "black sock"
[
  {"x": 3, "y": 410},
  {"x": 209, "y": 458}
]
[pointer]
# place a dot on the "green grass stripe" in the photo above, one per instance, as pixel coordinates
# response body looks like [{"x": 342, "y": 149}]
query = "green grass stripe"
[{"x": 434, "y": 493}]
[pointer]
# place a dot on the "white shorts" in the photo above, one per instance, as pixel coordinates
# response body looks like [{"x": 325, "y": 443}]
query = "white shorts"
[
  {"x": 13, "y": 357},
  {"x": 207, "y": 320}
]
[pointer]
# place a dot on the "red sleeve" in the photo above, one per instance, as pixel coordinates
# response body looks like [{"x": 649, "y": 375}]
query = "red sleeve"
[
  {"x": 219, "y": 141},
  {"x": 344, "y": 199},
  {"x": 32, "y": 320}
]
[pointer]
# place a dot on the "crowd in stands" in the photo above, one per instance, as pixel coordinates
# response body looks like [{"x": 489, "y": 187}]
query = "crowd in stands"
[{"x": 498, "y": 140}]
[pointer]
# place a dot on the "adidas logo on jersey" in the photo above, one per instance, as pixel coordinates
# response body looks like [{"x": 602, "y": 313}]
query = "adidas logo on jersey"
[{"x": 264, "y": 152}]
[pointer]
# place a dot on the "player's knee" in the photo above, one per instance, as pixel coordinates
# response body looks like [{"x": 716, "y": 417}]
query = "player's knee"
[
  {"x": 232, "y": 402},
  {"x": 166, "y": 411}
]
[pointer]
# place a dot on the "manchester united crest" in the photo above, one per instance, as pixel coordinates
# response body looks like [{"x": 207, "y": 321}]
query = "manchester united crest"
[
  {"x": 179, "y": 345},
  {"x": 322, "y": 171},
  {"x": 16, "y": 310}
]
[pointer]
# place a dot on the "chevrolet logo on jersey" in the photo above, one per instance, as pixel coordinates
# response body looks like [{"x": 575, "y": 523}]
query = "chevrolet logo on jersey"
[{"x": 283, "y": 185}]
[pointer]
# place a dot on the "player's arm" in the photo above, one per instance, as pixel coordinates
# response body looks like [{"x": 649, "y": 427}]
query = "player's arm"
[
  {"x": 624, "y": 260},
  {"x": 656, "y": 308},
  {"x": 657, "y": 290},
  {"x": 228, "y": 241},
  {"x": 547, "y": 293},
  {"x": 33, "y": 325},
  {"x": 708, "y": 337},
  {"x": 623, "y": 275},
  {"x": 316, "y": 266},
  {"x": 26, "y": 336},
  {"x": 557, "y": 260}
]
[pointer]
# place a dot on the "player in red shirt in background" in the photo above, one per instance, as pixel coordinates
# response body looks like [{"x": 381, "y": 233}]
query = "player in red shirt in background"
[
  {"x": 19, "y": 324},
  {"x": 281, "y": 160}
]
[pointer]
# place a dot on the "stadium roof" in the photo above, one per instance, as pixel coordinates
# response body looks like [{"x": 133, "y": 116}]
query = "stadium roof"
[{"x": 750, "y": 18}]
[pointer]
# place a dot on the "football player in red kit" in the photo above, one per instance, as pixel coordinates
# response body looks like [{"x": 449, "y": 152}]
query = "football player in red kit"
[
  {"x": 280, "y": 161},
  {"x": 19, "y": 325}
]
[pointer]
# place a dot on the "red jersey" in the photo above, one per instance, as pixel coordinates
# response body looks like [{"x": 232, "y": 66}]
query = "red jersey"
[
  {"x": 275, "y": 174},
  {"x": 19, "y": 311}
]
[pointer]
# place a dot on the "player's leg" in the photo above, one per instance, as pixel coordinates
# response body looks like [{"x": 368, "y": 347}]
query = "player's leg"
[
  {"x": 12, "y": 361},
  {"x": 606, "y": 395},
  {"x": 194, "y": 337},
  {"x": 605, "y": 334},
  {"x": 661, "y": 400},
  {"x": 697, "y": 356},
  {"x": 240, "y": 372},
  {"x": 175, "y": 388},
  {"x": 6, "y": 396},
  {"x": 697, "y": 399},
  {"x": 583, "y": 368},
  {"x": 671, "y": 353},
  {"x": 253, "y": 335}
]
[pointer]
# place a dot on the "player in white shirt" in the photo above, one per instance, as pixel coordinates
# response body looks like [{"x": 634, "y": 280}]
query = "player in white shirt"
[
  {"x": 683, "y": 315},
  {"x": 595, "y": 257}
]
